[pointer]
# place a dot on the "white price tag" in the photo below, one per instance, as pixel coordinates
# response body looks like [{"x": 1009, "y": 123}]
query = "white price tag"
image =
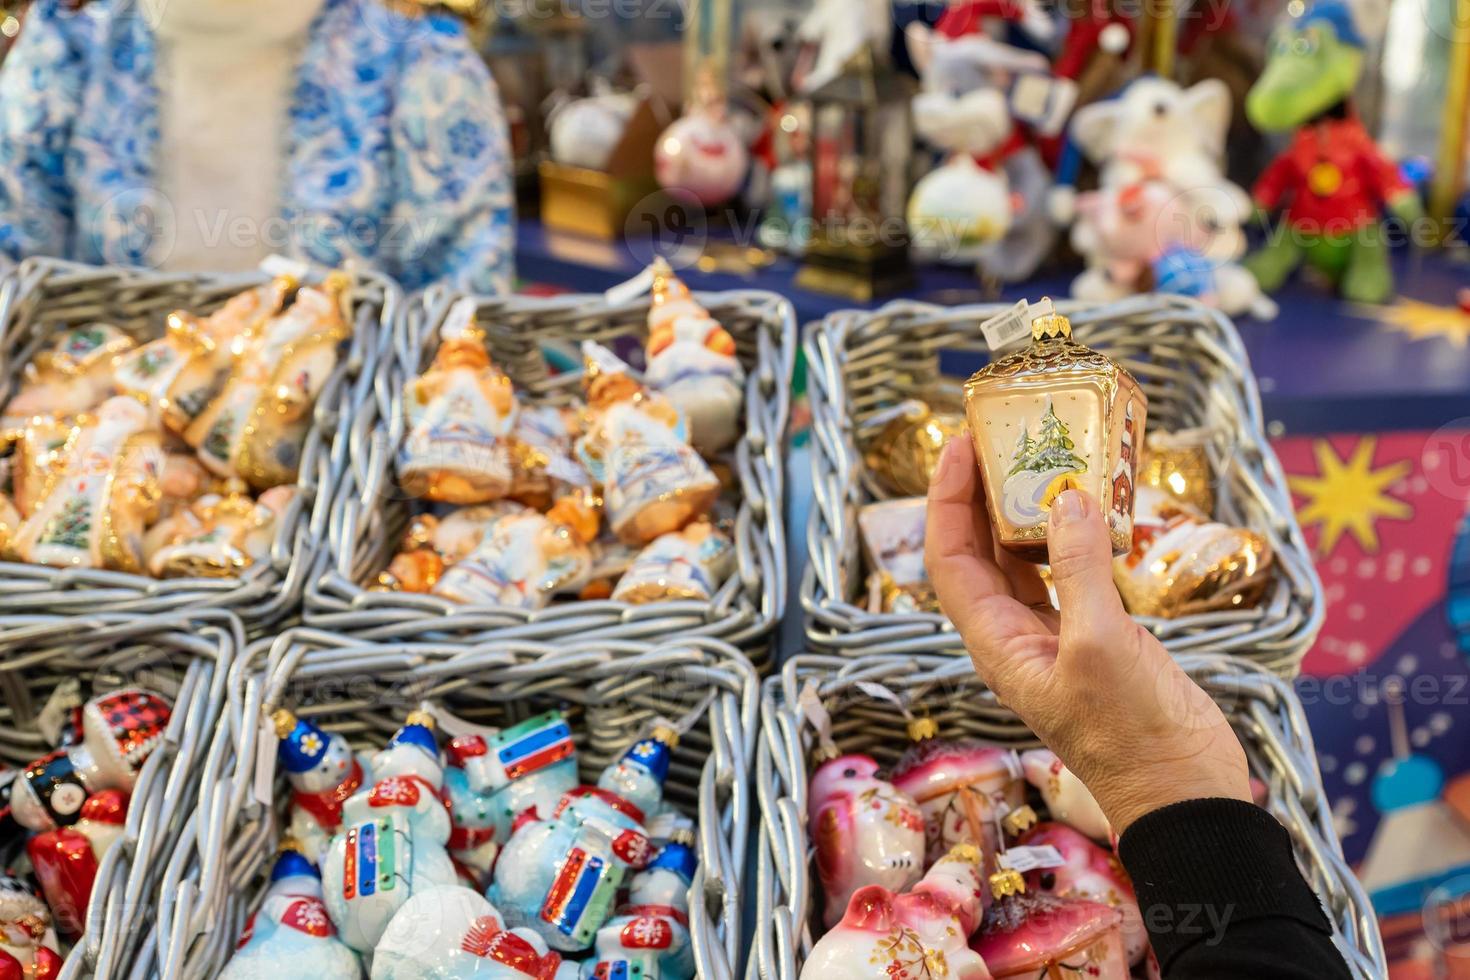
[
  {"x": 66, "y": 698},
  {"x": 279, "y": 265},
  {"x": 1025, "y": 859},
  {"x": 1007, "y": 328},
  {"x": 461, "y": 317},
  {"x": 264, "y": 789}
]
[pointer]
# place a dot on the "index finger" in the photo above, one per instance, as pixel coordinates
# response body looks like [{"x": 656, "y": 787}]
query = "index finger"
[{"x": 958, "y": 548}]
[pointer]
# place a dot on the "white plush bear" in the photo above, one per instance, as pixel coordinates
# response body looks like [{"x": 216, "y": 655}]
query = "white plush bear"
[{"x": 1154, "y": 129}]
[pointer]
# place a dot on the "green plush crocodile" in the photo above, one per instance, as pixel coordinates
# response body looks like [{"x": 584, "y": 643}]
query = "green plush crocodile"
[{"x": 1332, "y": 183}]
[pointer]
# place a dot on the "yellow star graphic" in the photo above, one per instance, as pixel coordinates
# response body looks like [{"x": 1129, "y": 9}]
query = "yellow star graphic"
[
  {"x": 1424, "y": 320},
  {"x": 1349, "y": 495}
]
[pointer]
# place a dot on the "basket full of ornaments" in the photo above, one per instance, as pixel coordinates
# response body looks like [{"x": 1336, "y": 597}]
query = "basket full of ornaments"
[
  {"x": 502, "y": 810},
  {"x": 908, "y": 819},
  {"x": 169, "y": 441},
  {"x": 107, "y": 722},
  {"x": 1150, "y": 407},
  {"x": 516, "y": 472}
]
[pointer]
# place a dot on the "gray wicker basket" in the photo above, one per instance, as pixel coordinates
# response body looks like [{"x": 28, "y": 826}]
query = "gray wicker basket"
[
  {"x": 610, "y": 691},
  {"x": 46, "y": 295},
  {"x": 1191, "y": 363},
  {"x": 1264, "y": 712},
  {"x": 185, "y": 656},
  {"x": 371, "y": 513}
]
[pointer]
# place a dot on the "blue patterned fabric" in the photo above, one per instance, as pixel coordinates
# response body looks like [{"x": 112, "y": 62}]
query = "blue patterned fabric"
[{"x": 397, "y": 154}]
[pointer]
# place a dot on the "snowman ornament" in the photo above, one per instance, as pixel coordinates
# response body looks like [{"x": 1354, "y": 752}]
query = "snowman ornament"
[{"x": 323, "y": 772}]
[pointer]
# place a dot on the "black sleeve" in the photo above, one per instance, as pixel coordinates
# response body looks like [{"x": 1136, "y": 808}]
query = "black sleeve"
[{"x": 1222, "y": 897}]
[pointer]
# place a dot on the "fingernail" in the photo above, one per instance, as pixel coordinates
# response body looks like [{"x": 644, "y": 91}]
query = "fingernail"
[{"x": 1070, "y": 506}]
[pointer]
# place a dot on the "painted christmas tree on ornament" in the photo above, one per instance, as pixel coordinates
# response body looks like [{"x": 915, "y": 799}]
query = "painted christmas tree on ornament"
[{"x": 1092, "y": 415}]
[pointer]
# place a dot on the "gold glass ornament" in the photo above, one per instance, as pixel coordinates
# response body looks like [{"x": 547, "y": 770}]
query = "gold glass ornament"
[
  {"x": 460, "y": 413},
  {"x": 103, "y": 493},
  {"x": 636, "y": 446},
  {"x": 417, "y": 567},
  {"x": 1178, "y": 463},
  {"x": 182, "y": 371},
  {"x": 1053, "y": 417},
  {"x": 233, "y": 532},
  {"x": 256, "y": 426},
  {"x": 1182, "y": 563},
  {"x": 72, "y": 376},
  {"x": 905, "y": 451}
]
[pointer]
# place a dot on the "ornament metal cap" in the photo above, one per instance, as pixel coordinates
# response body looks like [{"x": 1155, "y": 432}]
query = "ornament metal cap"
[
  {"x": 284, "y": 721},
  {"x": 420, "y": 718},
  {"x": 1022, "y": 818},
  {"x": 968, "y": 853},
  {"x": 923, "y": 729},
  {"x": 289, "y": 843},
  {"x": 666, "y": 734},
  {"x": 825, "y": 752},
  {"x": 1048, "y": 324},
  {"x": 1007, "y": 881}
]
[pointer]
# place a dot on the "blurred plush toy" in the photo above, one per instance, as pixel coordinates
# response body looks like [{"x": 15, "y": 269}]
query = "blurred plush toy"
[
  {"x": 833, "y": 33},
  {"x": 1153, "y": 130},
  {"x": 1150, "y": 236},
  {"x": 1332, "y": 182},
  {"x": 981, "y": 204}
]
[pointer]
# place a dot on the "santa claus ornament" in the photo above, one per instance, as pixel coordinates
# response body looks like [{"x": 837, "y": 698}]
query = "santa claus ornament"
[
  {"x": 692, "y": 363},
  {"x": 28, "y": 946}
]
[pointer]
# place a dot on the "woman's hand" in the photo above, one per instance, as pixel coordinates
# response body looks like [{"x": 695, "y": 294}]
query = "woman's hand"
[{"x": 1096, "y": 687}]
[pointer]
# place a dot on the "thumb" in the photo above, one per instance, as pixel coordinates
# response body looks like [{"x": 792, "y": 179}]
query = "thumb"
[{"x": 1081, "y": 555}]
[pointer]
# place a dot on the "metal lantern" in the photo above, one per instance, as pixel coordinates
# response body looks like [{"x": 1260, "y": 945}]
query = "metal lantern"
[{"x": 861, "y": 145}]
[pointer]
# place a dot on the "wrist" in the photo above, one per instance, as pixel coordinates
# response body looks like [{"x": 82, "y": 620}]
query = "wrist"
[{"x": 1147, "y": 788}]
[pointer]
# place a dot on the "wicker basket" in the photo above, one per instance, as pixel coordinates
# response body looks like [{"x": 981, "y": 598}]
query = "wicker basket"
[
  {"x": 1190, "y": 361},
  {"x": 47, "y": 295},
  {"x": 185, "y": 656},
  {"x": 1264, "y": 712},
  {"x": 611, "y": 691},
  {"x": 371, "y": 513}
]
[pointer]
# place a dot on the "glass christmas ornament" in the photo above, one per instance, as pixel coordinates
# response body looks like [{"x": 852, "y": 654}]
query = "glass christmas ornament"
[
  {"x": 1182, "y": 563},
  {"x": 919, "y": 934},
  {"x": 459, "y": 414},
  {"x": 291, "y": 934},
  {"x": 905, "y": 451},
  {"x": 73, "y": 376},
  {"x": 866, "y": 831},
  {"x": 960, "y": 788},
  {"x": 687, "y": 564},
  {"x": 102, "y": 491},
  {"x": 1027, "y": 935},
  {"x": 1053, "y": 417}
]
